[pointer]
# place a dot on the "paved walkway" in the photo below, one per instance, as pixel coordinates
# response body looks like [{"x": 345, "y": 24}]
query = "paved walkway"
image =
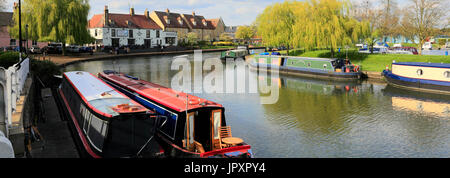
[{"x": 56, "y": 139}]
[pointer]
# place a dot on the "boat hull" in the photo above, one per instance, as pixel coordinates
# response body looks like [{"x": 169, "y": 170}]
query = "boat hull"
[
  {"x": 430, "y": 86},
  {"x": 314, "y": 73}
]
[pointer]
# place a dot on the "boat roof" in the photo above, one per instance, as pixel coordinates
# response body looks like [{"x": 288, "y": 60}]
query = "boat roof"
[
  {"x": 168, "y": 97},
  {"x": 297, "y": 57},
  {"x": 424, "y": 64},
  {"x": 100, "y": 96}
]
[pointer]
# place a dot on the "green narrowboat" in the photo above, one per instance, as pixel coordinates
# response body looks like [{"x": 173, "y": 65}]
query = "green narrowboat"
[
  {"x": 333, "y": 68},
  {"x": 240, "y": 52}
]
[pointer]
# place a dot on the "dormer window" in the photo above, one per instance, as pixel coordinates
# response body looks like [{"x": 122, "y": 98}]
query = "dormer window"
[
  {"x": 180, "y": 21},
  {"x": 167, "y": 19},
  {"x": 194, "y": 22},
  {"x": 204, "y": 23}
]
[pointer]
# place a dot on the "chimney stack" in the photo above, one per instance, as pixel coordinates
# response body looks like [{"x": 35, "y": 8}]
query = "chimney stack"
[
  {"x": 193, "y": 13},
  {"x": 132, "y": 11},
  {"x": 147, "y": 13},
  {"x": 167, "y": 10},
  {"x": 106, "y": 17}
]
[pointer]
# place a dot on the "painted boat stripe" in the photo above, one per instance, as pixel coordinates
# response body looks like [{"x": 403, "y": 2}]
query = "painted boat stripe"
[{"x": 80, "y": 134}]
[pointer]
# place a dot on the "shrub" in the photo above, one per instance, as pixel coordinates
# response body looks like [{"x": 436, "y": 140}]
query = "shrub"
[
  {"x": 45, "y": 70},
  {"x": 8, "y": 59}
]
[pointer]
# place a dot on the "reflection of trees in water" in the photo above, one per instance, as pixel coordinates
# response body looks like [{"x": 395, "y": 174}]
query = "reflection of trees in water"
[{"x": 319, "y": 106}]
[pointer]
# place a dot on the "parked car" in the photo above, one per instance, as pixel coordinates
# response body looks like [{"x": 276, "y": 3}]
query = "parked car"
[
  {"x": 427, "y": 45},
  {"x": 35, "y": 50},
  {"x": 73, "y": 49},
  {"x": 86, "y": 49},
  {"x": 398, "y": 45}
]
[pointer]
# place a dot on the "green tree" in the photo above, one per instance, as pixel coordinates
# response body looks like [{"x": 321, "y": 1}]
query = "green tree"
[
  {"x": 275, "y": 24},
  {"x": 62, "y": 21},
  {"x": 191, "y": 38},
  {"x": 225, "y": 37},
  {"x": 324, "y": 24},
  {"x": 425, "y": 16},
  {"x": 245, "y": 32}
]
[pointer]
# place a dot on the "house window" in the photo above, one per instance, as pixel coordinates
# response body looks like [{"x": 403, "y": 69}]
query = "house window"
[
  {"x": 194, "y": 22},
  {"x": 113, "y": 32},
  {"x": 12, "y": 42},
  {"x": 95, "y": 32},
  {"x": 147, "y": 34},
  {"x": 130, "y": 33},
  {"x": 157, "y": 33}
]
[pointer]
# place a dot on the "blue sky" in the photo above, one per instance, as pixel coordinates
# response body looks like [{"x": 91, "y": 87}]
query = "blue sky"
[{"x": 233, "y": 12}]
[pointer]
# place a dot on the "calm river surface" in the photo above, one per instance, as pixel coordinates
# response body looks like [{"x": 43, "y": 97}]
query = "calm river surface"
[{"x": 317, "y": 118}]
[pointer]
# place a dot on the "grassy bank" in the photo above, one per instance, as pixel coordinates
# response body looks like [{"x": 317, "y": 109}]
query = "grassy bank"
[{"x": 372, "y": 62}]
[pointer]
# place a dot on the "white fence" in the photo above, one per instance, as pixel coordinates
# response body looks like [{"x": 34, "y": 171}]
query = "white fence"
[{"x": 12, "y": 81}]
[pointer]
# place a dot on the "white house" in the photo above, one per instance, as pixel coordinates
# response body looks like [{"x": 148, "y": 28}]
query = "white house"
[{"x": 129, "y": 29}]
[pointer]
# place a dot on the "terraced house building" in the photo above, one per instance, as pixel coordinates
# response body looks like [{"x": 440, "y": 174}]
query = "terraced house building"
[
  {"x": 183, "y": 24},
  {"x": 110, "y": 29}
]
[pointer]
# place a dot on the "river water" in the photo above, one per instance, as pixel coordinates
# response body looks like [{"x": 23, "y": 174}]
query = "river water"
[{"x": 316, "y": 118}]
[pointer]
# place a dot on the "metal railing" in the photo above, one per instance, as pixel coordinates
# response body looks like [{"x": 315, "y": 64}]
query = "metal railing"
[{"x": 12, "y": 81}]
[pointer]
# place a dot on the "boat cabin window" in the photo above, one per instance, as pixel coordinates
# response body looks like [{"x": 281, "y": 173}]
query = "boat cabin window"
[
  {"x": 447, "y": 74},
  {"x": 216, "y": 123},
  {"x": 419, "y": 72},
  {"x": 325, "y": 66},
  {"x": 189, "y": 134}
]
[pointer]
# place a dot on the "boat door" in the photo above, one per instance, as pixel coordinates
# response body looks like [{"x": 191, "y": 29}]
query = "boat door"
[{"x": 216, "y": 122}]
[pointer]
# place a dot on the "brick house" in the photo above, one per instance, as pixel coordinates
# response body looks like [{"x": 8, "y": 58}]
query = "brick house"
[
  {"x": 6, "y": 20},
  {"x": 186, "y": 23}
]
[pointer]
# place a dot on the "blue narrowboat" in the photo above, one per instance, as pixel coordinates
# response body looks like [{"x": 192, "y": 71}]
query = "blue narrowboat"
[{"x": 427, "y": 77}]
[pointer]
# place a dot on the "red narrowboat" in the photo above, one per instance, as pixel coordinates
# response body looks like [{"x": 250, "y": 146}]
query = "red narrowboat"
[{"x": 188, "y": 126}]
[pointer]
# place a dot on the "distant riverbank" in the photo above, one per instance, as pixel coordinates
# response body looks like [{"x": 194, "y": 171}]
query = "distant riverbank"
[{"x": 67, "y": 60}]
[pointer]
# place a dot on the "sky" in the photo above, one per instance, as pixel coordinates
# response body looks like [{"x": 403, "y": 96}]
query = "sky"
[{"x": 233, "y": 12}]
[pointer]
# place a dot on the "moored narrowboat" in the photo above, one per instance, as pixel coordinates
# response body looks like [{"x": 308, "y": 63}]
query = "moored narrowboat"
[
  {"x": 190, "y": 126},
  {"x": 105, "y": 122},
  {"x": 328, "y": 68},
  {"x": 239, "y": 52},
  {"x": 419, "y": 76}
]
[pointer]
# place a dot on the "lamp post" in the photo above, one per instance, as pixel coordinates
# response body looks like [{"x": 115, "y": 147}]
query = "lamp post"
[
  {"x": 26, "y": 38},
  {"x": 20, "y": 31}
]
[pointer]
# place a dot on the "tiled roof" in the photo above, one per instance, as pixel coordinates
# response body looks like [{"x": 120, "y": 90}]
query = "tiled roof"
[
  {"x": 199, "y": 22},
  {"x": 214, "y": 22},
  {"x": 123, "y": 21},
  {"x": 173, "y": 18}
]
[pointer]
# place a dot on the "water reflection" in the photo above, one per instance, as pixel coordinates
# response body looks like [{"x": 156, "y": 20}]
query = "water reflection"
[{"x": 317, "y": 118}]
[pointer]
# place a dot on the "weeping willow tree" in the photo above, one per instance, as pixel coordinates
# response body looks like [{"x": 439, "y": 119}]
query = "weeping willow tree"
[
  {"x": 274, "y": 25},
  {"x": 63, "y": 21},
  {"x": 309, "y": 24},
  {"x": 324, "y": 24}
]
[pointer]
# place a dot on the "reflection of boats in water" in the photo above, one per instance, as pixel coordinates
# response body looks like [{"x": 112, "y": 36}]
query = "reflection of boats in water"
[
  {"x": 423, "y": 103},
  {"x": 435, "y": 108},
  {"x": 318, "y": 86}
]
